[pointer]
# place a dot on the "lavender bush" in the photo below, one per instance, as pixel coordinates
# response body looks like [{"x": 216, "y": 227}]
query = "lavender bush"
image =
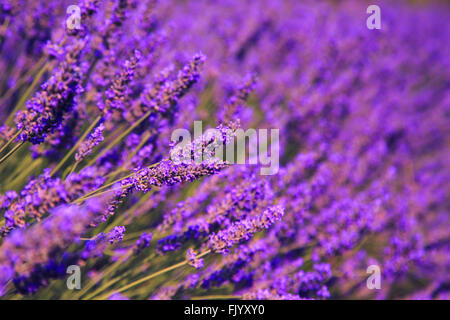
[{"x": 88, "y": 111}]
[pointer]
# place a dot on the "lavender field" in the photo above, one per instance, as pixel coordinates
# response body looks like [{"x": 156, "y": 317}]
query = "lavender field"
[{"x": 334, "y": 177}]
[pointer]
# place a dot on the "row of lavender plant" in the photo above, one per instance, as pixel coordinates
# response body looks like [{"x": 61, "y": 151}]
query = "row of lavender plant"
[{"x": 87, "y": 178}]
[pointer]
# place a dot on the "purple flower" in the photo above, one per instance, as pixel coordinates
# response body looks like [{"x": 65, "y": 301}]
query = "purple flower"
[
  {"x": 191, "y": 256},
  {"x": 25, "y": 252},
  {"x": 86, "y": 146},
  {"x": 46, "y": 109},
  {"x": 244, "y": 230},
  {"x": 116, "y": 234},
  {"x": 168, "y": 173},
  {"x": 43, "y": 193},
  {"x": 143, "y": 242},
  {"x": 116, "y": 95},
  {"x": 165, "y": 93},
  {"x": 96, "y": 246}
]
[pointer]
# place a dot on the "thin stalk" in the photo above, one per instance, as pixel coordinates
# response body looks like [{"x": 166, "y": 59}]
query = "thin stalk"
[
  {"x": 98, "y": 194},
  {"x": 112, "y": 281},
  {"x": 22, "y": 80},
  {"x": 74, "y": 167},
  {"x": 151, "y": 276},
  {"x": 3, "y": 29},
  {"x": 11, "y": 140},
  {"x": 106, "y": 285},
  {"x": 25, "y": 173},
  {"x": 27, "y": 93},
  {"x": 75, "y": 147},
  {"x": 120, "y": 138},
  {"x": 111, "y": 184},
  {"x": 99, "y": 189},
  {"x": 130, "y": 156},
  {"x": 114, "y": 266},
  {"x": 11, "y": 152},
  {"x": 36, "y": 79},
  {"x": 108, "y": 272}
]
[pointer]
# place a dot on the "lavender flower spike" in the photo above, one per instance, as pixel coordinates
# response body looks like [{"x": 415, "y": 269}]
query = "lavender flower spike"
[
  {"x": 191, "y": 256},
  {"x": 86, "y": 146},
  {"x": 169, "y": 173},
  {"x": 46, "y": 109},
  {"x": 243, "y": 230}
]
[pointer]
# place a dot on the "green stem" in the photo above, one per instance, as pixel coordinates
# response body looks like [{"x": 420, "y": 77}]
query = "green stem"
[
  {"x": 11, "y": 140},
  {"x": 114, "y": 266},
  {"x": 106, "y": 285},
  {"x": 22, "y": 80},
  {"x": 24, "y": 173},
  {"x": 27, "y": 93},
  {"x": 151, "y": 276},
  {"x": 11, "y": 152},
  {"x": 37, "y": 78},
  {"x": 75, "y": 147},
  {"x": 107, "y": 273},
  {"x": 72, "y": 169},
  {"x": 119, "y": 138},
  {"x": 131, "y": 155},
  {"x": 101, "y": 188},
  {"x": 109, "y": 185},
  {"x": 79, "y": 200}
]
